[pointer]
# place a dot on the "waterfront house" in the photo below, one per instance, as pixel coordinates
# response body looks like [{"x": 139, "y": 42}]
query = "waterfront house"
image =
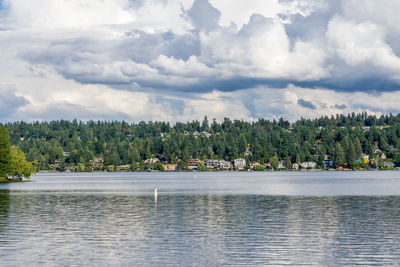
[
  {"x": 239, "y": 164},
  {"x": 123, "y": 168},
  {"x": 224, "y": 165},
  {"x": 212, "y": 163},
  {"x": 308, "y": 165},
  {"x": 282, "y": 164},
  {"x": 170, "y": 167},
  {"x": 387, "y": 164},
  {"x": 192, "y": 164}
]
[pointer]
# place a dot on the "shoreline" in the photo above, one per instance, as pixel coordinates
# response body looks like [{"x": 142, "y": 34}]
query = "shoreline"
[
  {"x": 12, "y": 180},
  {"x": 194, "y": 171}
]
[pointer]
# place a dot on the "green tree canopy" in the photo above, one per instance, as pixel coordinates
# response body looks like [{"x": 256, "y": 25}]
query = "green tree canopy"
[
  {"x": 19, "y": 166},
  {"x": 5, "y": 152}
]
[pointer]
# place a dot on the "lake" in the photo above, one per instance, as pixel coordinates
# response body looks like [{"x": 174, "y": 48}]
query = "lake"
[{"x": 202, "y": 219}]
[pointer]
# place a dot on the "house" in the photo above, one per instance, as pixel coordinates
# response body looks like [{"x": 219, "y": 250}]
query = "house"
[
  {"x": 123, "y": 168},
  {"x": 152, "y": 160},
  {"x": 212, "y": 163},
  {"x": 308, "y": 165},
  {"x": 170, "y": 167},
  {"x": 66, "y": 154},
  {"x": 295, "y": 166},
  {"x": 376, "y": 149},
  {"x": 192, "y": 164},
  {"x": 98, "y": 160},
  {"x": 253, "y": 163},
  {"x": 129, "y": 135},
  {"x": 196, "y": 134},
  {"x": 247, "y": 152},
  {"x": 365, "y": 158},
  {"x": 98, "y": 164},
  {"x": 282, "y": 164},
  {"x": 206, "y": 134},
  {"x": 218, "y": 164},
  {"x": 239, "y": 164},
  {"x": 224, "y": 165},
  {"x": 328, "y": 163},
  {"x": 387, "y": 164},
  {"x": 69, "y": 168}
]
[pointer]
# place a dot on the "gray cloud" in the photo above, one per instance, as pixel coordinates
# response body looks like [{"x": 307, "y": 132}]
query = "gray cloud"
[
  {"x": 70, "y": 111},
  {"x": 342, "y": 106},
  {"x": 10, "y": 103},
  {"x": 306, "y": 104},
  {"x": 204, "y": 16}
]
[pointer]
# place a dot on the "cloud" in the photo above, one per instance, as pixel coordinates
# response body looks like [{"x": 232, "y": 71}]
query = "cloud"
[
  {"x": 306, "y": 104},
  {"x": 342, "y": 106},
  {"x": 166, "y": 59},
  {"x": 204, "y": 16},
  {"x": 10, "y": 102}
]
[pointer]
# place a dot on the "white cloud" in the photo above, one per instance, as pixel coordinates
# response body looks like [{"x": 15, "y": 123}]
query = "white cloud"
[
  {"x": 261, "y": 49},
  {"x": 358, "y": 43}
]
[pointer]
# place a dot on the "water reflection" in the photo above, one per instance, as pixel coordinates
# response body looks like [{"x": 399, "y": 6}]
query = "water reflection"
[
  {"x": 115, "y": 229},
  {"x": 4, "y": 211}
]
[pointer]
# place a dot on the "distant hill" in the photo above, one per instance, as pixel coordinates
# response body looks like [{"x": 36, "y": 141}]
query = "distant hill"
[{"x": 337, "y": 141}]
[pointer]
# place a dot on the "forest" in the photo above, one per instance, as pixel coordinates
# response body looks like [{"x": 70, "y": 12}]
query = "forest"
[{"x": 350, "y": 141}]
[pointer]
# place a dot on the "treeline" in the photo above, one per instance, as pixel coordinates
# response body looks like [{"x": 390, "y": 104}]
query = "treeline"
[{"x": 340, "y": 140}]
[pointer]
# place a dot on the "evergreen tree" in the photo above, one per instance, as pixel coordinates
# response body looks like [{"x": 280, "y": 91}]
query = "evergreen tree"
[
  {"x": 357, "y": 148},
  {"x": 288, "y": 163},
  {"x": 339, "y": 155},
  {"x": 205, "y": 125},
  {"x": 350, "y": 155}
]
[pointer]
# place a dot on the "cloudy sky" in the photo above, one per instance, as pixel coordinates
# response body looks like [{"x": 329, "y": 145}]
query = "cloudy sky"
[{"x": 178, "y": 60}]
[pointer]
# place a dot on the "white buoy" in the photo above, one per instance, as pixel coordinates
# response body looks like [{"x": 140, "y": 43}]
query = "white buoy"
[{"x": 155, "y": 194}]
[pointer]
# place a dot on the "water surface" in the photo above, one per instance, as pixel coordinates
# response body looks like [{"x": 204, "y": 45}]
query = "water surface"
[{"x": 202, "y": 219}]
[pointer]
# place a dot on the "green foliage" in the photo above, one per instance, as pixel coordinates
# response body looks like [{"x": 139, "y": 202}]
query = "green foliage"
[
  {"x": 274, "y": 161},
  {"x": 341, "y": 138},
  {"x": 259, "y": 168},
  {"x": 288, "y": 163},
  {"x": 201, "y": 167},
  {"x": 134, "y": 166},
  {"x": 19, "y": 166},
  {"x": 181, "y": 165},
  {"x": 158, "y": 166},
  {"x": 5, "y": 152},
  {"x": 110, "y": 168},
  {"x": 339, "y": 155}
]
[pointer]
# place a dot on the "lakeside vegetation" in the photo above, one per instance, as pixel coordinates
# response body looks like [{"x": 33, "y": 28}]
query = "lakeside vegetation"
[
  {"x": 13, "y": 164},
  {"x": 355, "y": 141}
]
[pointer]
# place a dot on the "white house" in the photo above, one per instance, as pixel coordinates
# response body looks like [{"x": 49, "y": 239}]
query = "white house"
[
  {"x": 308, "y": 165},
  {"x": 239, "y": 164}
]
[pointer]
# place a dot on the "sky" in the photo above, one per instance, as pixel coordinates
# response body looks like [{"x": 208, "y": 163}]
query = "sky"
[{"x": 179, "y": 60}]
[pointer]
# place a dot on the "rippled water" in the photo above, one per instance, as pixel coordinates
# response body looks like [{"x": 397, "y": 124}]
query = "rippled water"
[{"x": 203, "y": 219}]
